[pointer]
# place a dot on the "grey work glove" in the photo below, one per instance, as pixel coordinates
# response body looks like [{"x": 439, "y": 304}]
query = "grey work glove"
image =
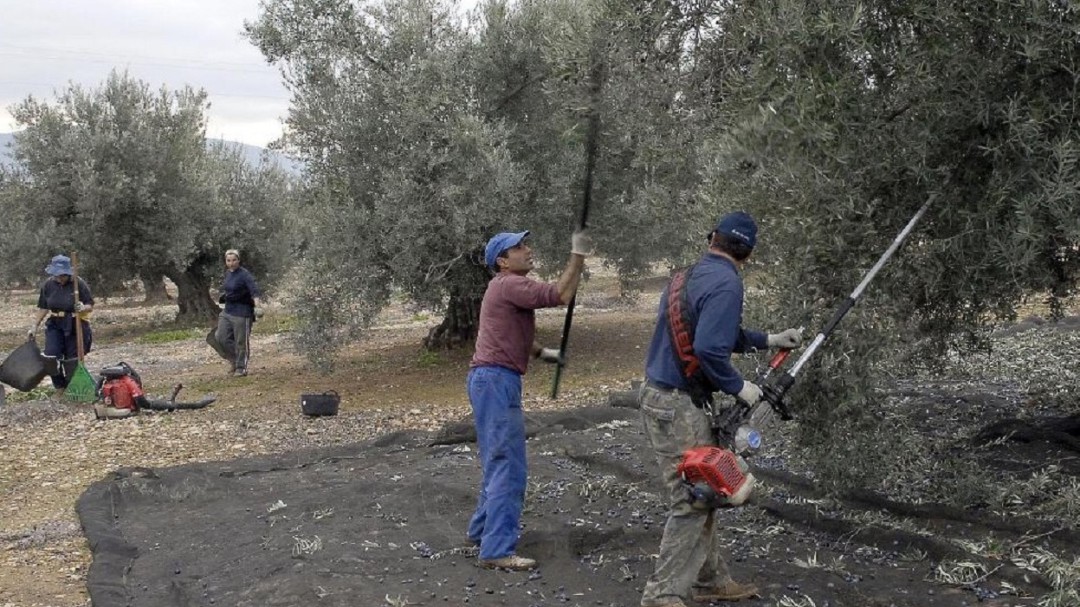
[
  {"x": 259, "y": 312},
  {"x": 79, "y": 306},
  {"x": 581, "y": 243},
  {"x": 750, "y": 393},
  {"x": 791, "y": 338},
  {"x": 549, "y": 355}
]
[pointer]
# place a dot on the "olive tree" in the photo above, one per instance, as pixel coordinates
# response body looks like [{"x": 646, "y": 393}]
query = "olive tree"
[
  {"x": 122, "y": 174},
  {"x": 427, "y": 131},
  {"x": 836, "y": 121}
]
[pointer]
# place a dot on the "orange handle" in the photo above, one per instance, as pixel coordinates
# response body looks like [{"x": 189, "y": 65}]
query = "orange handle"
[{"x": 778, "y": 359}]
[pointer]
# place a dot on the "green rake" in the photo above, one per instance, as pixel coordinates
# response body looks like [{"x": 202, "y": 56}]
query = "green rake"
[{"x": 82, "y": 387}]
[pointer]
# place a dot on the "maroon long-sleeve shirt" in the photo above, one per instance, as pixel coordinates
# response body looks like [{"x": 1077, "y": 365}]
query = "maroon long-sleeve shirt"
[{"x": 508, "y": 320}]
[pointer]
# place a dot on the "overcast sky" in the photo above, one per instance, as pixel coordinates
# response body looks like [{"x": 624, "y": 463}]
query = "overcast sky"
[{"x": 44, "y": 44}]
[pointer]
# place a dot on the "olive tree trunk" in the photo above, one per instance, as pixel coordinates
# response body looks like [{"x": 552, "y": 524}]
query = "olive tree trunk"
[
  {"x": 193, "y": 298},
  {"x": 154, "y": 291},
  {"x": 462, "y": 320}
]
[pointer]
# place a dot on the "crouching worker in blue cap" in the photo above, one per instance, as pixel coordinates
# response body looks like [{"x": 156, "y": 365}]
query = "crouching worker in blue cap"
[
  {"x": 678, "y": 385},
  {"x": 57, "y": 302},
  {"x": 504, "y": 344}
]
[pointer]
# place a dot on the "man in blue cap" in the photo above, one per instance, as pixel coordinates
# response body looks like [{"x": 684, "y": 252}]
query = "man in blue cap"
[
  {"x": 504, "y": 344},
  {"x": 57, "y": 302},
  {"x": 680, "y": 382}
]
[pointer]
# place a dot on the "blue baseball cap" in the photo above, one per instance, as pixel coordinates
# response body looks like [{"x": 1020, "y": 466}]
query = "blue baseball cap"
[
  {"x": 59, "y": 266},
  {"x": 740, "y": 226},
  {"x": 501, "y": 242}
]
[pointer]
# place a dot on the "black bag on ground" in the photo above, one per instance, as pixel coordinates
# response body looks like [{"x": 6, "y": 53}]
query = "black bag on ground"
[
  {"x": 317, "y": 405},
  {"x": 24, "y": 368}
]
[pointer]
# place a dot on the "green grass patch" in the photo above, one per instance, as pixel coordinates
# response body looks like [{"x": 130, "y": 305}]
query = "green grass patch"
[
  {"x": 273, "y": 324},
  {"x": 39, "y": 393},
  {"x": 170, "y": 335},
  {"x": 428, "y": 358}
]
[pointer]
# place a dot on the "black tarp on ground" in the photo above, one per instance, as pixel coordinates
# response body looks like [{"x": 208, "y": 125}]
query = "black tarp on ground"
[
  {"x": 382, "y": 523},
  {"x": 353, "y": 525}
]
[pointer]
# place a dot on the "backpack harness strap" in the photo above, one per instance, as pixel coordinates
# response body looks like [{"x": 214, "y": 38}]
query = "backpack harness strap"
[{"x": 681, "y": 326}]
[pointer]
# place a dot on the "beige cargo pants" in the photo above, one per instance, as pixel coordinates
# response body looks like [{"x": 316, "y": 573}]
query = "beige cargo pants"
[{"x": 688, "y": 553}]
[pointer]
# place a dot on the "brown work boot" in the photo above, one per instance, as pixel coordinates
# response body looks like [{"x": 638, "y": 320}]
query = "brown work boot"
[
  {"x": 512, "y": 562},
  {"x": 728, "y": 591}
]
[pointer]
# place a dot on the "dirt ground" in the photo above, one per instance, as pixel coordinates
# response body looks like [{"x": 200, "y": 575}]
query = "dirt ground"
[
  {"x": 50, "y": 452},
  {"x": 803, "y": 548}
]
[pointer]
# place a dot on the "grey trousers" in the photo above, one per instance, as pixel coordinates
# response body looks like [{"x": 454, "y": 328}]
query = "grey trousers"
[
  {"x": 234, "y": 335},
  {"x": 688, "y": 554}
]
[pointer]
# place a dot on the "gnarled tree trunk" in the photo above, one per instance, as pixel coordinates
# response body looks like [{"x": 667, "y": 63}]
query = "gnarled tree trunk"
[
  {"x": 193, "y": 298},
  {"x": 154, "y": 292},
  {"x": 468, "y": 282},
  {"x": 460, "y": 324}
]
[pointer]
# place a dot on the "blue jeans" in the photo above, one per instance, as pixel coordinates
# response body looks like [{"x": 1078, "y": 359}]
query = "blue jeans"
[{"x": 495, "y": 395}]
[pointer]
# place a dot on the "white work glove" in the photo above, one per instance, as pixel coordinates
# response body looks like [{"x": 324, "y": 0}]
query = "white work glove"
[
  {"x": 750, "y": 393},
  {"x": 259, "y": 312},
  {"x": 549, "y": 355},
  {"x": 788, "y": 339},
  {"x": 79, "y": 306},
  {"x": 581, "y": 243},
  {"x": 31, "y": 332}
]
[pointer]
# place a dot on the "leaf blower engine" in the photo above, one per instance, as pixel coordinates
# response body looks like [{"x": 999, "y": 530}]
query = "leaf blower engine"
[
  {"x": 715, "y": 477},
  {"x": 121, "y": 388}
]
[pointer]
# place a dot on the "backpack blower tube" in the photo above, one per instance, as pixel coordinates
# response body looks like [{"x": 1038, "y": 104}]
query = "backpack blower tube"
[
  {"x": 774, "y": 393},
  {"x": 591, "y": 137}
]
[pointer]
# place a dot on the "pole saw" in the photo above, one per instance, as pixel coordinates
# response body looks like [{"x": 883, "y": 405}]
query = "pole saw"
[
  {"x": 592, "y": 136},
  {"x": 718, "y": 476}
]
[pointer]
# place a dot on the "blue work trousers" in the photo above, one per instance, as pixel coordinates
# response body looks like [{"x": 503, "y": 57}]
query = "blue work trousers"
[
  {"x": 495, "y": 395},
  {"x": 60, "y": 344}
]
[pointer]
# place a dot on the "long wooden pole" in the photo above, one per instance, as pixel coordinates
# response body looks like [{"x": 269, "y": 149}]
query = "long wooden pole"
[
  {"x": 591, "y": 144},
  {"x": 78, "y": 321}
]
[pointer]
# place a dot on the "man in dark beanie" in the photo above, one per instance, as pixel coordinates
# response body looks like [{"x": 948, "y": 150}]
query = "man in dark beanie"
[{"x": 680, "y": 383}]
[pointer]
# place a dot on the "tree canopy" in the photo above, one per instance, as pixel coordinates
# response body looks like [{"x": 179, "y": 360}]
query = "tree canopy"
[
  {"x": 428, "y": 131},
  {"x": 832, "y": 122}
]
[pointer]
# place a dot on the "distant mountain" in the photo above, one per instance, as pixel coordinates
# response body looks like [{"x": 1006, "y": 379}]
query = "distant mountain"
[{"x": 252, "y": 154}]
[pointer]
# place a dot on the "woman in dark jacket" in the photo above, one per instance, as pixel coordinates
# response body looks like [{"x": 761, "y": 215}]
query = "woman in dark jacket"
[
  {"x": 240, "y": 294},
  {"x": 57, "y": 303}
]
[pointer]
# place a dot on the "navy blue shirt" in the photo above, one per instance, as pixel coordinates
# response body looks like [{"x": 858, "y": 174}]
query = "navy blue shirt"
[
  {"x": 715, "y": 293},
  {"x": 61, "y": 298},
  {"x": 240, "y": 291}
]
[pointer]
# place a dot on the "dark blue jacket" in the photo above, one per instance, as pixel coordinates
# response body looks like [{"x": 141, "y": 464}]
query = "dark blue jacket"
[
  {"x": 61, "y": 298},
  {"x": 239, "y": 292},
  {"x": 715, "y": 293}
]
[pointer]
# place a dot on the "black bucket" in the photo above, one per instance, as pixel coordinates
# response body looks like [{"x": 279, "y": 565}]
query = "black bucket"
[
  {"x": 317, "y": 405},
  {"x": 24, "y": 368}
]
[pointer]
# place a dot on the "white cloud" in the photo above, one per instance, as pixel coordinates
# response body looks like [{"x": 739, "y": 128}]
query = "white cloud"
[{"x": 45, "y": 44}]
